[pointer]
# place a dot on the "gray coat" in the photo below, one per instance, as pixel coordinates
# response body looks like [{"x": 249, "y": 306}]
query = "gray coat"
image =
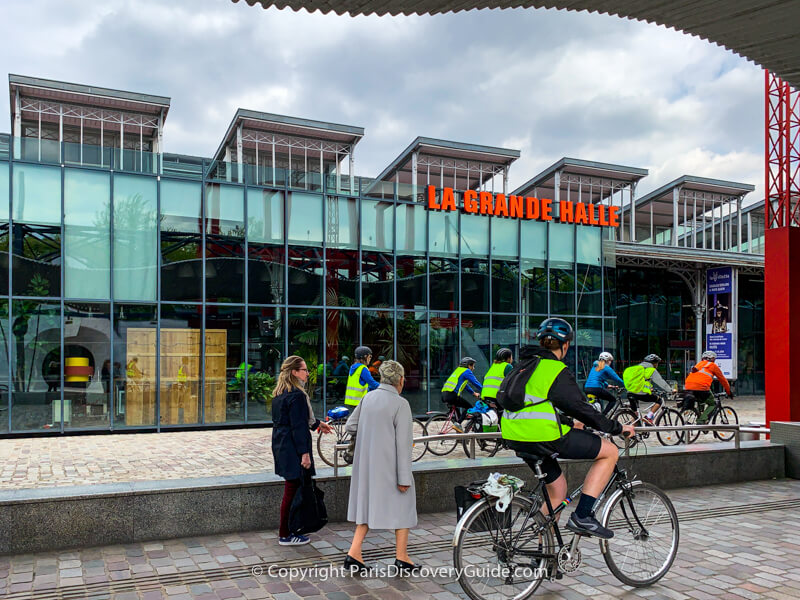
[{"x": 382, "y": 461}]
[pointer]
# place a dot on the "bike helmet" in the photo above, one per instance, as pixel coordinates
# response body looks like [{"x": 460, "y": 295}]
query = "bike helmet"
[
  {"x": 555, "y": 328},
  {"x": 503, "y": 354},
  {"x": 709, "y": 355},
  {"x": 362, "y": 352},
  {"x": 606, "y": 356},
  {"x": 652, "y": 358},
  {"x": 467, "y": 361}
]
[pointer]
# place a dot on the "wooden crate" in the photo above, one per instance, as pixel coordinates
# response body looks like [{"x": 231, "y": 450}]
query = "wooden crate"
[
  {"x": 140, "y": 389},
  {"x": 216, "y": 375}
]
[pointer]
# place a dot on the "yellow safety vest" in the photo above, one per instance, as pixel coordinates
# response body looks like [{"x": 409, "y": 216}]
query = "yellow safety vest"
[
  {"x": 450, "y": 384},
  {"x": 181, "y": 375},
  {"x": 494, "y": 377},
  {"x": 355, "y": 391},
  {"x": 537, "y": 421},
  {"x": 648, "y": 385}
]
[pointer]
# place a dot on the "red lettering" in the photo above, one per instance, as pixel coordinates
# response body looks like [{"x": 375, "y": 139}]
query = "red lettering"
[
  {"x": 486, "y": 203},
  {"x": 471, "y": 201},
  {"x": 592, "y": 220},
  {"x": 500, "y": 206},
  {"x": 531, "y": 208},
  {"x": 580, "y": 214},
  {"x": 613, "y": 216},
  {"x": 547, "y": 209},
  {"x": 565, "y": 211},
  {"x": 432, "y": 204},
  {"x": 603, "y": 219},
  {"x": 515, "y": 207},
  {"x": 448, "y": 199}
]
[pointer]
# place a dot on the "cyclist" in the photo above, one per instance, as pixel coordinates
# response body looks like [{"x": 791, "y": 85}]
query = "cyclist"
[
  {"x": 639, "y": 381},
  {"x": 494, "y": 376},
  {"x": 699, "y": 381},
  {"x": 463, "y": 378},
  {"x": 549, "y": 422},
  {"x": 598, "y": 381},
  {"x": 360, "y": 380}
]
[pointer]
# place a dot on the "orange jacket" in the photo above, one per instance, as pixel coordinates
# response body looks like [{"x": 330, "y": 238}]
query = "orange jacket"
[{"x": 702, "y": 376}]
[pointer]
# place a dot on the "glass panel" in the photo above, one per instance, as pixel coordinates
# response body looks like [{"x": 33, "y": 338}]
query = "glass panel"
[
  {"x": 411, "y": 229},
  {"x": 181, "y": 238},
  {"x": 3, "y": 194},
  {"x": 305, "y": 339},
  {"x": 475, "y": 342},
  {"x": 505, "y": 334},
  {"x": 87, "y": 234},
  {"x": 225, "y": 365},
  {"x": 610, "y": 295},
  {"x": 134, "y": 368},
  {"x": 342, "y": 338},
  {"x": 590, "y": 245},
  {"x": 87, "y": 365},
  {"x": 266, "y": 274},
  {"x": 589, "y": 283},
  {"x": 412, "y": 282},
  {"x": 37, "y": 194},
  {"x": 305, "y": 219},
  {"x": 225, "y": 210},
  {"x": 528, "y": 334},
  {"x": 265, "y": 335},
  {"x": 377, "y": 225},
  {"x": 475, "y": 284},
  {"x": 377, "y": 280},
  {"x": 444, "y": 283},
  {"x": 37, "y": 366},
  {"x": 534, "y": 240},
  {"x": 378, "y": 334},
  {"x": 181, "y": 348},
  {"x": 4, "y": 365},
  {"x": 562, "y": 291},
  {"x": 135, "y": 238},
  {"x": 505, "y": 286},
  {"x": 505, "y": 242},
  {"x": 562, "y": 244},
  {"x": 36, "y": 260},
  {"x": 589, "y": 345},
  {"x": 341, "y": 286},
  {"x": 474, "y": 235},
  {"x": 224, "y": 243},
  {"x": 443, "y": 234},
  {"x": 342, "y": 226},
  {"x": 305, "y": 275},
  {"x": 412, "y": 331},
  {"x": 444, "y": 354},
  {"x": 265, "y": 216}
]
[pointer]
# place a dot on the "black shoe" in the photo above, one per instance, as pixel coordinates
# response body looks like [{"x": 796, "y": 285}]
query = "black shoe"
[
  {"x": 405, "y": 568},
  {"x": 588, "y": 526},
  {"x": 355, "y": 566}
]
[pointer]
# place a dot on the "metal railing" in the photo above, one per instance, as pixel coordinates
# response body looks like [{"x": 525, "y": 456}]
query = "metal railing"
[{"x": 737, "y": 442}]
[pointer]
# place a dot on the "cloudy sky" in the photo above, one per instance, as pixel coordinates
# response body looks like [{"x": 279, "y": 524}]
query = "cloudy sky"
[{"x": 548, "y": 83}]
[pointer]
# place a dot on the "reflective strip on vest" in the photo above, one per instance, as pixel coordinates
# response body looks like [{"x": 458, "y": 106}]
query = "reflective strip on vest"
[
  {"x": 538, "y": 421},
  {"x": 450, "y": 384},
  {"x": 494, "y": 377},
  {"x": 355, "y": 391}
]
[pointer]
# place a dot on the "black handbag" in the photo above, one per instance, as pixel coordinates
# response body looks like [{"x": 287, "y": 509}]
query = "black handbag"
[{"x": 307, "y": 513}]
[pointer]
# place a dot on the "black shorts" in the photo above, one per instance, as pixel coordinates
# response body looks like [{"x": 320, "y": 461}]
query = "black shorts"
[
  {"x": 453, "y": 399},
  {"x": 578, "y": 443}
]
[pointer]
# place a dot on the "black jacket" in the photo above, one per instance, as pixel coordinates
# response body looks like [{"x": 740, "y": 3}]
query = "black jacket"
[
  {"x": 291, "y": 437},
  {"x": 567, "y": 397}
]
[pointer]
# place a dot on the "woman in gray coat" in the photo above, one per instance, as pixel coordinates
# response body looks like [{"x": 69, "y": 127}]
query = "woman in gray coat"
[{"x": 382, "y": 492}]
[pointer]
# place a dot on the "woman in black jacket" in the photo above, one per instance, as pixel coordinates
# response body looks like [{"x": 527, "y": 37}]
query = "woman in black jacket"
[{"x": 292, "y": 422}]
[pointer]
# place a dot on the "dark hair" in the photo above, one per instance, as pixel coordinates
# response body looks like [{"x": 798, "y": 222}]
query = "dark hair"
[{"x": 550, "y": 343}]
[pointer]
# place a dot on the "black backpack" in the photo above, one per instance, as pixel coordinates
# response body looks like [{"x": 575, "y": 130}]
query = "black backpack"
[{"x": 511, "y": 395}]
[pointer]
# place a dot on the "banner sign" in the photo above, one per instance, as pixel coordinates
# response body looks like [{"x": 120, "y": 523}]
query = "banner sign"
[
  {"x": 721, "y": 317},
  {"x": 524, "y": 207}
]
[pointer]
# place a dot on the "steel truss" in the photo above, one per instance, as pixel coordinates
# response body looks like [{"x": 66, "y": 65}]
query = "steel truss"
[
  {"x": 87, "y": 113},
  {"x": 612, "y": 186},
  {"x": 782, "y": 153},
  {"x": 491, "y": 169},
  {"x": 256, "y": 137}
]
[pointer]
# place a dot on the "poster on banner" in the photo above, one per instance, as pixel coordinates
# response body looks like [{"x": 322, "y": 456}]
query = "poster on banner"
[{"x": 721, "y": 317}]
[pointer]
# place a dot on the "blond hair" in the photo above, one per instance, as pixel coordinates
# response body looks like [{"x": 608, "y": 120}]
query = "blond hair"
[
  {"x": 391, "y": 372},
  {"x": 287, "y": 381}
]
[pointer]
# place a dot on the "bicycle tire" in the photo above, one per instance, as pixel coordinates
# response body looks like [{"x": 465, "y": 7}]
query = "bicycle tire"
[
  {"x": 436, "y": 425},
  {"x": 669, "y": 417},
  {"x": 418, "y": 449},
  {"x": 690, "y": 416},
  {"x": 326, "y": 442},
  {"x": 725, "y": 416},
  {"x": 490, "y": 447},
  {"x": 626, "y": 531},
  {"x": 484, "y": 540},
  {"x": 624, "y": 416}
]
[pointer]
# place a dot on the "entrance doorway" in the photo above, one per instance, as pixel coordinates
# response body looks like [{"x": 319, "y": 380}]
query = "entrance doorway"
[{"x": 679, "y": 363}]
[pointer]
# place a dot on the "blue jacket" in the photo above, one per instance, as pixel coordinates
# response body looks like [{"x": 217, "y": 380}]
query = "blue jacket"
[
  {"x": 365, "y": 378},
  {"x": 601, "y": 379},
  {"x": 473, "y": 385},
  {"x": 291, "y": 436}
]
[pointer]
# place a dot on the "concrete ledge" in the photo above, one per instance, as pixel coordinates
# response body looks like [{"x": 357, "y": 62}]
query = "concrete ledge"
[
  {"x": 788, "y": 434},
  {"x": 36, "y": 520}
]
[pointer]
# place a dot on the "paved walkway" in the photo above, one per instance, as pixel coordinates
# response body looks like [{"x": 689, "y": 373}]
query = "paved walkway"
[
  {"x": 96, "y": 459},
  {"x": 749, "y": 551}
]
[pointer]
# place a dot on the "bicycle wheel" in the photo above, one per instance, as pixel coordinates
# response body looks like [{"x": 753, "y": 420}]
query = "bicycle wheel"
[
  {"x": 624, "y": 416},
  {"x": 669, "y": 417},
  {"x": 327, "y": 441},
  {"x": 646, "y": 534},
  {"x": 502, "y": 555},
  {"x": 490, "y": 447},
  {"x": 725, "y": 416},
  {"x": 440, "y": 425},
  {"x": 689, "y": 416},
  {"x": 418, "y": 449}
]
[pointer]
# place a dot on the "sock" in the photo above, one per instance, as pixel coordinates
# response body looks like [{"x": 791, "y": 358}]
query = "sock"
[{"x": 585, "y": 506}]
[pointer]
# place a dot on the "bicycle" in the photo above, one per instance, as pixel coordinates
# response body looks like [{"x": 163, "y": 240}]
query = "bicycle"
[
  {"x": 663, "y": 417},
  {"x": 721, "y": 415},
  {"x": 440, "y": 423},
  {"x": 475, "y": 425},
  {"x": 508, "y": 554}
]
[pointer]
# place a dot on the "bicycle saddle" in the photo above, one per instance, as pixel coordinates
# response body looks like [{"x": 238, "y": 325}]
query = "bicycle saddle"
[{"x": 537, "y": 458}]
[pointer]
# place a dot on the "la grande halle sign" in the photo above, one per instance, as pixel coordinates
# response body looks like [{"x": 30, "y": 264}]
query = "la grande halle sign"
[{"x": 525, "y": 207}]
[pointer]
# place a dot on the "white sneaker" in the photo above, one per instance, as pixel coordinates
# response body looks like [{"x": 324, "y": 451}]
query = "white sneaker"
[{"x": 294, "y": 540}]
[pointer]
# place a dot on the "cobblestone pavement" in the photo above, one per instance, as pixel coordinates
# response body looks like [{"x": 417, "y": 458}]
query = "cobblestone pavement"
[
  {"x": 748, "y": 551},
  {"x": 96, "y": 459}
]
